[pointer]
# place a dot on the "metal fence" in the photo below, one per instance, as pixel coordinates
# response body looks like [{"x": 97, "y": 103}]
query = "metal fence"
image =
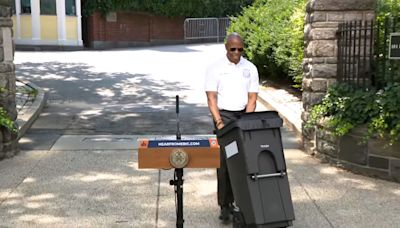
[
  {"x": 206, "y": 28},
  {"x": 363, "y": 48},
  {"x": 355, "y": 53}
]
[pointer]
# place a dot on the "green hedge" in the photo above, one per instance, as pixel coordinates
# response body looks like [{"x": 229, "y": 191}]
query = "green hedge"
[
  {"x": 184, "y": 8},
  {"x": 273, "y": 32}
]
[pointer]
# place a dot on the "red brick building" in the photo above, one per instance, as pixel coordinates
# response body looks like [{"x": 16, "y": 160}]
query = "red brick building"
[{"x": 127, "y": 29}]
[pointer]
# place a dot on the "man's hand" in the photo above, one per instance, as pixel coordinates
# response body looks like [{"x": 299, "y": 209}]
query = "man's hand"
[{"x": 219, "y": 124}]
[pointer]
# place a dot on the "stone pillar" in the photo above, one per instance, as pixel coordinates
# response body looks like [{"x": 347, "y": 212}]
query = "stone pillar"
[
  {"x": 320, "y": 52},
  {"x": 8, "y": 139}
]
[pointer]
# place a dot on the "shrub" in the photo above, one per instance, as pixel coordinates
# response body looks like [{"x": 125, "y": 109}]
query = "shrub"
[
  {"x": 345, "y": 107},
  {"x": 273, "y": 33}
]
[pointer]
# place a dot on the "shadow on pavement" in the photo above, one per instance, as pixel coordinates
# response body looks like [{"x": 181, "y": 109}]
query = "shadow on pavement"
[{"x": 82, "y": 101}]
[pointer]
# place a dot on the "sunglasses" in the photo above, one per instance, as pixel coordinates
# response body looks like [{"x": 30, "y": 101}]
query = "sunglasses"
[{"x": 234, "y": 49}]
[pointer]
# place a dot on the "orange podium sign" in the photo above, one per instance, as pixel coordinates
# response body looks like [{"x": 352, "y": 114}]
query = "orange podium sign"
[{"x": 192, "y": 152}]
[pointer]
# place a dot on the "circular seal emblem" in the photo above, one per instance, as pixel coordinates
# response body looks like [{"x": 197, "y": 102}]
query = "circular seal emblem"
[{"x": 178, "y": 158}]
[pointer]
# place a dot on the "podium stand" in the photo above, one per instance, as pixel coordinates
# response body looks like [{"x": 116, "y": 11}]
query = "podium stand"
[{"x": 179, "y": 153}]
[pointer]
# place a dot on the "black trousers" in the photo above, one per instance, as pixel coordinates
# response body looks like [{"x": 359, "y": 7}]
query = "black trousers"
[{"x": 225, "y": 194}]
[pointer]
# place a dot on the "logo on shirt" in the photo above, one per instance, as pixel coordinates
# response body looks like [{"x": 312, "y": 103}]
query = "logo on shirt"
[{"x": 246, "y": 73}]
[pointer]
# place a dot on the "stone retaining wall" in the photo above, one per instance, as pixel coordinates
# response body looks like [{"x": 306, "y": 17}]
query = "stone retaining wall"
[
  {"x": 372, "y": 158},
  {"x": 8, "y": 139}
]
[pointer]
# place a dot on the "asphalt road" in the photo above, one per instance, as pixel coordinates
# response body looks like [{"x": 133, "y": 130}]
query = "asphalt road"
[{"x": 127, "y": 91}]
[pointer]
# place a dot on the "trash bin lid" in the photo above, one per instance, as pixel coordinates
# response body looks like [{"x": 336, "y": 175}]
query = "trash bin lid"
[{"x": 253, "y": 121}]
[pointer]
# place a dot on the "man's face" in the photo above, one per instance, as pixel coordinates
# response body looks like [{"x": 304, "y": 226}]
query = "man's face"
[{"x": 234, "y": 49}]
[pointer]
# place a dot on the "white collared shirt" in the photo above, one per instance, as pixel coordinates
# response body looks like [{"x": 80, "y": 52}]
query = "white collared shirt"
[{"x": 232, "y": 82}]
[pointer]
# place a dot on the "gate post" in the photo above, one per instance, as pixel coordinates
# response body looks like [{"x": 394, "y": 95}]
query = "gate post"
[
  {"x": 321, "y": 51},
  {"x": 8, "y": 139}
]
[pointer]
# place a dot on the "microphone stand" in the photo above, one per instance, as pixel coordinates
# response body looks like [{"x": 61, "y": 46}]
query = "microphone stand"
[{"x": 178, "y": 174}]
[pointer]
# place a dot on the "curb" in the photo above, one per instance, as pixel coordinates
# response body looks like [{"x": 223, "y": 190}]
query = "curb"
[
  {"x": 290, "y": 119},
  {"x": 30, "y": 114}
]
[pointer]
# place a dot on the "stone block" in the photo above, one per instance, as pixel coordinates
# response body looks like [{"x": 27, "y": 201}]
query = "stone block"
[
  {"x": 335, "y": 16},
  {"x": 307, "y": 75},
  {"x": 331, "y": 60},
  {"x": 308, "y": 133},
  {"x": 364, "y": 170},
  {"x": 307, "y": 19},
  {"x": 323, "y": 34},
  {"x": 311, "y": 98},
  {"x": 6, "y": 67},
  {"x": 307, "y": 29},
  {"x": 328, "y": 24},
  {"x": 314, "y": 85},
  {"x": 351, "y": 149},
  {"x": 319, "y": 85},
  {"x": 6, "y": 22},
  {"x": 317, "y": 60},
  {"x": 325, "y": 147},
  {"x": 369, "y": 15},
  {"x": 306, "y": 66},
  {"x": 5, "y": 11},
  {"x": 354, "y": 16},
  {"x": 329, "y": 5},
  {"x": 11, "y": 149},
  {"x": 318, "y": 16},
  {"x": 309, "y": 146},
  {"x": 326, "y": 135},
  {"x": 395, "y": 169},
  {"x": 378, "y": 162},
  {"x": 324, "y": 71},
  {"x": 5, "y": 3},
  {"x": 304, "y": 116},
  {"x": 322, "y": 48},
  {"x": 381, "y": 147}
]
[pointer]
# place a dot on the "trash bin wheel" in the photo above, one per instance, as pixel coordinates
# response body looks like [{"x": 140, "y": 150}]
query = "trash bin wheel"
[{"x": 238, "y": 219}]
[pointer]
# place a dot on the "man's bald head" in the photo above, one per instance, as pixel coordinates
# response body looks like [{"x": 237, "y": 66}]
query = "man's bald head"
[
  {"x": 234, "y": 47},
  {"x": 233, "y": 36}
]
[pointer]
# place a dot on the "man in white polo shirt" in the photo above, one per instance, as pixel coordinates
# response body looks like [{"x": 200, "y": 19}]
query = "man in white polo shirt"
[{"x": 231, "y": 86}]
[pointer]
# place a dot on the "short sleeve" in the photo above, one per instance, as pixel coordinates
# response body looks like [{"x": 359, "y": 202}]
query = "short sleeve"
[
  {"x": 211, "y": 82},
  {"x": 254, "y": 80}
]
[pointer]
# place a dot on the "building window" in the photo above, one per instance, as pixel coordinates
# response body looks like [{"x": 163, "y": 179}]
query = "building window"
[
  {"x": 13, "y": 11},
  {"x": 48, "y": 7},
  {"x": 25, "y": 6},
  {"x": 70, "y": 8}
]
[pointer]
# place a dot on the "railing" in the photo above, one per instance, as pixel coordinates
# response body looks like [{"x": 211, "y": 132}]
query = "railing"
[
  {"x": 205, "y": 28},
  {"x": 363, "y": 48},
  {"x": 355, "y": 53}
]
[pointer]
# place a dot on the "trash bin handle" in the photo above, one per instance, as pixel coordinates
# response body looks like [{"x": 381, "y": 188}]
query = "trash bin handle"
[{"x": 255, "y": 177}]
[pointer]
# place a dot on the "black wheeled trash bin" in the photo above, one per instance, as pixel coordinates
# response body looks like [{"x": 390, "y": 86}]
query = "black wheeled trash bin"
[{"x": 257, "y": 170}]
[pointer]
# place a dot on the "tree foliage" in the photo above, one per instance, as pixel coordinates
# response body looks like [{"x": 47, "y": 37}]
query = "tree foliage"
[
  {"x": 273, "y": 33},
  {"x": 184, "y": 8},
  {"x": 388, "y": 8}
]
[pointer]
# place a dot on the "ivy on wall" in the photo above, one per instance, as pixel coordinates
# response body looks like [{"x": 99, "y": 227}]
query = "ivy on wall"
[{"x": 184, "y": 8}]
